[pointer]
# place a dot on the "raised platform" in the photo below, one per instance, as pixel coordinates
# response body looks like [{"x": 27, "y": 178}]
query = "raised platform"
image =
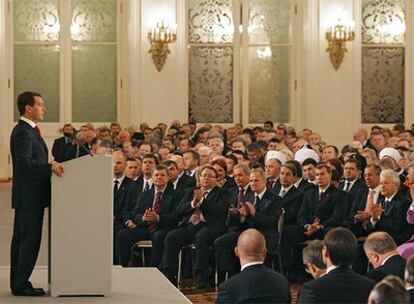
[{"x": 129, "y": 285}]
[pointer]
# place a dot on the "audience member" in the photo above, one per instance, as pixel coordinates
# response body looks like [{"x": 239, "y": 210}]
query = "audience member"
[
  {"x": 390, "y": 290},
  {"x": 313, "y": 260}
]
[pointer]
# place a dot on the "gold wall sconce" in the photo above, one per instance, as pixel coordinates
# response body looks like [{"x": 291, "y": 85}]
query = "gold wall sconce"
[
  {"x": 160, "y": 36},
  {"x": 337, "y": 36}
]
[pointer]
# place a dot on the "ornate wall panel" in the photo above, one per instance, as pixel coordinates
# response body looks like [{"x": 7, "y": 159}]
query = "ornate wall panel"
[
  {"x": 36, "y": 68},
  {"x": 210, "y": 21},
  {"x": 269, "y": 86},
  {"x": 269, "y": 21},
  {"x": 94, "y": 20},
  {"x": 211, "y": 84},
  {"x": 383, "y": 21},
  {"x": 383, "y": 85},
  {"x": 94, "y": 77},
  {"x": 36, "y": 20}
]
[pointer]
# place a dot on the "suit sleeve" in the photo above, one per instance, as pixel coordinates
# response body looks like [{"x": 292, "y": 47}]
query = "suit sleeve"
[
  {"x": 304, "y": 212},
  {"x": 223, "y": 296},
  {"x": 292, "y": 208},
  {"x": 22, "y": 153},
  {"x": 306, "y": 295},
  {"x": 139, "y": 210},
  {"x": 339, "y": 212},
  {"x": 221, "y": 204}
]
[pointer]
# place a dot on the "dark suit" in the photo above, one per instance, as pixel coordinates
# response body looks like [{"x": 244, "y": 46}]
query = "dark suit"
[
  {"x": 214, "y": 209},
  {"x": 304, "y": 186},
  {"x": 395, "y": 265},
  {"x": 338, "y": 286},
  {"x": 268, "y": 210},
  {"x": 126, "y": 238},
  {"x": 291, "y": 202},
  {"x": 60, "y": 147},
  {"x": 393, "y": 219},
  {"x": 274, "y": 186},
  {"x": 351, "y": 194},
  {"x": 255, "y": 284},
  {"x": 30, "y": 195},
  {"x": 185, "y": 182},
  {"x": 75, "y": 151}
]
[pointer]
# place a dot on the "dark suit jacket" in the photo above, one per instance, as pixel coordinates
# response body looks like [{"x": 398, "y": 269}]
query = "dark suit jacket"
[
  {"x": 255, "y": 284},
  {"x": 356, "y": 187},
  {"x": 393, "y": 220},
  {"x": 31, "y": 170},
  {"x": 338, "y": 286},
  {"x": 229, "y": 182},
  {"x": 331, "y": 210},
  {"x": 185, "y": 182},
  {"x": 165, "y": 213},
  {"x": 291, "y": 202},
  {"x": 359, "y": 203},
  {"x": 214, "y": 208},
  {"x": 234, "y": 222},
  {"x": 304, "y": 186},
  {"x": 122, "y": 205},
  {"x": 60, "y": 148},
  {"x": 268, "y": 210},
  {"x": 276, "y": 186},
  {"x": 394, "y": 265},
  {"x": 71, "y": 151}
]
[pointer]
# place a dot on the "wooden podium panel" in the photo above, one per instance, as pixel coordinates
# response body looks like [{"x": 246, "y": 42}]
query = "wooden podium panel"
[{"x": 81, "y": 220}]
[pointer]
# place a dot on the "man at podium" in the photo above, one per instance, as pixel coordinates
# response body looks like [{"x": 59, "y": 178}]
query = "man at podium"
[{"x": 30, "y": 192}]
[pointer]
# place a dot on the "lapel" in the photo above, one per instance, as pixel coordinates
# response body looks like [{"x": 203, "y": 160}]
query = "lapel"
[
  {"x": 165, "y": 201},
  {"x": 391, "y": 205}
]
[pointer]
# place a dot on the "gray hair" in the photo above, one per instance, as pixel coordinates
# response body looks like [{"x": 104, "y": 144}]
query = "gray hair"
[
  {"x": 392, "y": 174},
  {"x": 372, "y": 152},
  {"x": 205, "y": 149},
  {"x": 216, "y": 139},
  {"x": 390, "y": 290},
  {"x": 380, "y": 242},
  {"x": 243, "y": 167},
  {"x": 312, "y": 254}
]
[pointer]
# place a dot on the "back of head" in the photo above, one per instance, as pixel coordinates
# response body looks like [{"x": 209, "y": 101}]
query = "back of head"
[
  {"x": 251, "y": 245},
  {"x": 380, "y": 242},
  {"x": 409, "y": 271},
  {"x": 390, "y": 290},
  {"x": 312, "y": 254},
  {"x": 341, "y": 245}
]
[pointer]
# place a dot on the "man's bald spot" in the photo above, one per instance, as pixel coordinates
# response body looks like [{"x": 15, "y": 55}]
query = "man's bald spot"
[{"x": 251, "y": 243}]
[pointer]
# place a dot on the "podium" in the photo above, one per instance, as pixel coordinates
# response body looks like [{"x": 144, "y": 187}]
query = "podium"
[{"x": 81, "y": 220}]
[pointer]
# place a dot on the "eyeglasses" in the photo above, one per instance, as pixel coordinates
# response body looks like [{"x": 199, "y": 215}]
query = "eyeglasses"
[{"x": 207, "y": 176}]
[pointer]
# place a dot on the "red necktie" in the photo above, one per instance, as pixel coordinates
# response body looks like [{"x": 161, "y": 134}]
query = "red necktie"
[
  {"x": 37, "y": 130},
  {"x": 240, "y": 197},
  {"x": 153, "y": 226}
]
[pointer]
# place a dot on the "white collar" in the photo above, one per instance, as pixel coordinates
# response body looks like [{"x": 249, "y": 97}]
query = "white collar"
[
  {"x": 251, "y": 264},
  {"x": 387, "y": 258},
  {"x": 298, "y": 182},
  {"x": 323, "y": 190},
  {"x": 391, "y": 197},
  {"x": 330, "y": 268},
  {"x": 409, "y": 288},
  {"x": 260, "y": 195},
  {"x": 31, "y": 123},
  {"x": 286, "y": 189},
  {"x": 120, "y": 180}
]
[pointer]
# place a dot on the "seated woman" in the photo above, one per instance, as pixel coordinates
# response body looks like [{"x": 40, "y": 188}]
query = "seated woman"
[
  {"x": 407, "y": 249},
  {"x": 223, "y": 180}
]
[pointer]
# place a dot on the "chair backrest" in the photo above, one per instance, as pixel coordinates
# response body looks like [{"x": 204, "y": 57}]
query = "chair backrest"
[{"x": 280, "y": 226}]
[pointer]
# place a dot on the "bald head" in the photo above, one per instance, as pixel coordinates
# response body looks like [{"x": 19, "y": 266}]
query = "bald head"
[{"x": 251, "y": 246}]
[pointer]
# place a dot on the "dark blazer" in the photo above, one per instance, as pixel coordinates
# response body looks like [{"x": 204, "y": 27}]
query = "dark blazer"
[
  {"x": 276, "y": 186},
  {"x": 291, "y": 202},
  {"x": 72, "y": 150},
  {"x": 356, "y": 187},
  {"x": 31, "y": 170},
  {"x": 304, "y": 186},
  {"x": 229, "y": 182},
  {"x": 185, "y": 182},
  {"x": 122, "y": 206},
  {"x": 268, "y": 210},
  {"x": 340, "y": 285},
  {"x": 214, "y": 208},
  {"x": 393, "y": 220},
  {"x": 166, "y": 211},
  {"x": 359, "y": 203},
  {"x": 395, "y": 265},
  {"x": 331, "y": 210},
  {"x": 60, "y": 148},
  {"x": 234, "y": 222},
  {"x": 255, "y": 284}
]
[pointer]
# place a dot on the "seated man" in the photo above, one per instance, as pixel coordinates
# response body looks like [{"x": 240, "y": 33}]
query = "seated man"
[
  {"x": 390, "y": 290},
  {"x": 152, "y": 219},
  {"x": 390, "y": 213},
  {"x": 381, "y": 251},
  {"x": 256, "y": 283},
  {"x": 353, "y": 182},
  {"x": 202, "y": 218},
  {"x": 260, "y": 210},
  {"x": 313, "y": 260},
  {"x": 340, "y": 284},
  {"x": 359, "y": 215}
]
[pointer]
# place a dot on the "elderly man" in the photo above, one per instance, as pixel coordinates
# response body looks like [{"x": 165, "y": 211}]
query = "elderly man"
[
  {"x": 256, "y": 283},
  {"x": 202, "y": 218},
  {"x": 389, "y": 214},
  {"x": 381, "y": 252}
]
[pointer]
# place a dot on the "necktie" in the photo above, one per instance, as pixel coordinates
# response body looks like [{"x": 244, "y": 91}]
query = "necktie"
[
  {"x": 347, "y": 186},
  {"x": 240, "y": 197},
  {"x": 269, "y": 183},
  {"x": 116, "y": 183},
  {"x": 37, "y": 130},
  {"x": 282, "y": 193},
  {"x": 146, "y": 187},
  {"x": 153, "y": 226},
  {"x": 256, "y": 200},
  {"x": 321, "y": 195},
  {"x": 386, "y": 204}
]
